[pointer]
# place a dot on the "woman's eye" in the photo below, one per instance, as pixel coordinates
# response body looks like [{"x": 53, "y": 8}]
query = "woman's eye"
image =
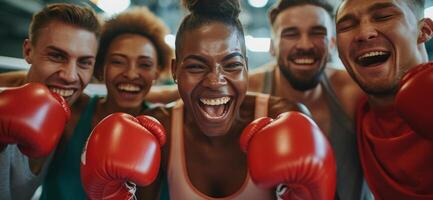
[
  {"x": 195, "y": 68},
  {"x": 234, "y": 66},
  {"x": 145, "y": 65},
  {"x": 116, "y": 62}
]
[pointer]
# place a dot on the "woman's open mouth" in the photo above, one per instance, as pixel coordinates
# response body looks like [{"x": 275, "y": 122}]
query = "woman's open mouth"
[{"x": 215, "y": 108}]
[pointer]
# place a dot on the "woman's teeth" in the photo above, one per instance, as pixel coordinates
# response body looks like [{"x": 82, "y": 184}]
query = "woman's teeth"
[
  {"x": 215, "y": 101},
  {"x": 128, "y": 87}
]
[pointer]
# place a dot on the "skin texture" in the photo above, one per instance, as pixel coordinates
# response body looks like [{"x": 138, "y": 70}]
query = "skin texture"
[
  {"x": 131, "y": 59},
  {"x": 296, "y": 36},
  {"x": 62, "y": 58},
  {"x": 302, "y": 33},
  {"x": 388, "y": 26},
  {"x": 211, "y": 66}
]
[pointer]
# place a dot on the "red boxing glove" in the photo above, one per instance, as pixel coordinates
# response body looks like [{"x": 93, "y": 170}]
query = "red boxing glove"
[
  {"x": 414, "y": 100},
  {"x": 32, "y": 117},
  {"x": 120, "y": 152},
  {"x": 292, "y": 153}
]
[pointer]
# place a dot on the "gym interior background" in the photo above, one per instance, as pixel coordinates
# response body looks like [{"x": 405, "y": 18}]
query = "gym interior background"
[{"x": 15, "y": 16}]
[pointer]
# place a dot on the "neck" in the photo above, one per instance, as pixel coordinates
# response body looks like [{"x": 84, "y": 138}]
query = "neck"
[
  {"x": 214, "y": 141},
  {"x": 381, "y": 101},
  {"x": 109, "y": 106},
  {"x": 283, "y": 88}
]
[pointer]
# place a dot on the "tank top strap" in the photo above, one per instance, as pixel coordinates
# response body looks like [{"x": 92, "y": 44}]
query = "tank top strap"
[
  {"x": 261, "y": 105},
  {"x": 84, "y": 125},
  {"x": 334, "y": 104},
  {"x": 268, "y": 82}
]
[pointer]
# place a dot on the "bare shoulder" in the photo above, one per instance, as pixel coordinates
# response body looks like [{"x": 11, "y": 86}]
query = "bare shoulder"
[
  {"x": 278, "y": 105},
  {"x": 346, "y": 89},
  {"x": 162, "y": 94},
  {"x": 13, "y": 79},
  {"x": 256, "y": 77},
  {"x": 160, "y": 112}
]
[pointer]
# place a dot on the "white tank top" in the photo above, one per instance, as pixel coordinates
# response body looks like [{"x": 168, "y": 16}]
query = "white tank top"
[{"x": 179, "y": 184}]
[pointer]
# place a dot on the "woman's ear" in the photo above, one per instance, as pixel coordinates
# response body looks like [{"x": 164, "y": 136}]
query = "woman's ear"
[
  {"x": 426, "y": 30},
  {"x": 173, "y": 69}
]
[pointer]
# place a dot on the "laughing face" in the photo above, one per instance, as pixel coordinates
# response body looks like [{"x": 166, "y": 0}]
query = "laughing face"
[
  {"x": 301, "y": 43},
  {"x": 211, "y": 74},
  {"x": 377, "y": 42},
  {"x": 62, "y": 58},
  {"x": 131, "y": 66}
]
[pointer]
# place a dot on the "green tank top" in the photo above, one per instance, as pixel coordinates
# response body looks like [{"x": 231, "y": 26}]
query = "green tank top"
[{"x": 63, "y": 178}]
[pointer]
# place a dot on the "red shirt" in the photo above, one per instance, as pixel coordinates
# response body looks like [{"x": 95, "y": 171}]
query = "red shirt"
[{"x": 397, "y": 162}]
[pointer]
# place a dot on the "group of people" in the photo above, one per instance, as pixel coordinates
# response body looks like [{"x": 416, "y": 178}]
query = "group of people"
[{"x": 307, "y": 130}]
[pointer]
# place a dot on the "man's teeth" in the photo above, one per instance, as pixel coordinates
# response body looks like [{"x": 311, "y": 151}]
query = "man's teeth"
[
  {"x": 215, "y": 101},
  {"x": 63, "y": 92},
  {"x": 303, "y": 61},
  {"x": 371, "y": 54},
  {"x": 128, "y": 87}
]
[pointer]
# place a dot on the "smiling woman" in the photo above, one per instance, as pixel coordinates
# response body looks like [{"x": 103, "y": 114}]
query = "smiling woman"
[
  {"x": 131, "y": 54},
  {"x": 205, "y": 126}
]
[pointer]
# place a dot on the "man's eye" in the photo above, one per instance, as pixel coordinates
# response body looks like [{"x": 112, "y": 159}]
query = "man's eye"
[
  {"x": 344, "y": 27},
  {"x": 57, "y": 57},
  {"x": 382, "y": 17},
  {"x": 86, "y": 63},
  {"x": 318, "y": 33},
  {"x": 289, "y": 35}
]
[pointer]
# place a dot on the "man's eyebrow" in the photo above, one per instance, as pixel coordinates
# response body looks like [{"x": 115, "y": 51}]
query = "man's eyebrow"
[
  {"x": 287, "y": 29},
  {"x": 54, "y": 48},
  {"x": 378, "y": 6},
  {"x": 345, "y": 18},
  {"x": 63, "y": 52},
  {"x": 232, "y": 55},
  {"x": 320, "y": 27}
]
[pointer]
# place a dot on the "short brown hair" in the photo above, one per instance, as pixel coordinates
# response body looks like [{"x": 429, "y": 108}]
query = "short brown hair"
[
  {"x": 282, "y": 5},
  {"x": 80, "y": 16},
  {"x": 138, "y": 20}
]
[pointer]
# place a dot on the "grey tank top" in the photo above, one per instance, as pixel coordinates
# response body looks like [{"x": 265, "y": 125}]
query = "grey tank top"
[
  {"x": 350, "y": 180},
  {"x": 17, "y": 182}
]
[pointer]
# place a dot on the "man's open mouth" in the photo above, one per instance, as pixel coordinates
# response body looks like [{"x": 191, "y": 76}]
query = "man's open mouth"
[
  {"x": 373, "y": 58},
  {"x": 303, "y": 60},
  {"x": 65, "y": 93}
]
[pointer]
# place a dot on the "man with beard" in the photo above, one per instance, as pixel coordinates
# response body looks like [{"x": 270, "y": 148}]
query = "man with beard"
[
  {"x": 302, "y": 41},
  {"x": 381, "y": 44}
]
